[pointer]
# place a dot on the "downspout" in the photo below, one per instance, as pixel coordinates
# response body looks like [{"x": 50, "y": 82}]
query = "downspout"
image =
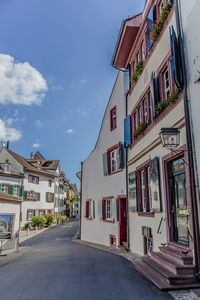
[
  {"x": 194, "y": 206},
  {"x": 81, "y": 196}
]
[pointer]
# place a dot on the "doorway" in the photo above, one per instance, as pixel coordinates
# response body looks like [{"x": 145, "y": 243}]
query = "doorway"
[
  {"x": 122, "y": 221},
  {"x": 179, "y": 203}
]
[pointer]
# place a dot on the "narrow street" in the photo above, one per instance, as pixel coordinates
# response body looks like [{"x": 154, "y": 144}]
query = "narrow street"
[{"x": 53, "y": 267}]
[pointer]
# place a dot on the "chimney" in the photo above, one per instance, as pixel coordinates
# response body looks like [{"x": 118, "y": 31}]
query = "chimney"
[
  {"x": 2, "y": 145},
  {"x": 32, "y": 155},
  {"x": 8, "y": 145}
]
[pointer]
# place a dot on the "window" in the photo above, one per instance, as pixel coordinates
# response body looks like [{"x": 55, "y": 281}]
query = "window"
[
  {"x": 148, "y": 245},
  {"x": 166, "y": 83},
  {"x": 113, "y": 118},
  {"x": 144, "y": 190},
  {"x": 7, "y": 168},
  {"x": 160, "y": 7},
  {"x": 114, "y": 160},
  {"x": 50, "y": 182},
  {"x": 88, "y": 209},
  {"x": 145, "y": 110},
  {"x": 138, "y": 56},
  {"x": 32, "y": 196},
  {"x": 41, "y": 212},
  {"x": 30, "y": 214},
  {"x": 50, "y": 197},
  {"x": 33, "y": 179},
  {"x": 140, "y": 115},
  {"x": 108, "y": 209},
  {"x": 135, "y": 120},
  {"x": 16, "y": 190},
  {"x": 5, "y": 188}
]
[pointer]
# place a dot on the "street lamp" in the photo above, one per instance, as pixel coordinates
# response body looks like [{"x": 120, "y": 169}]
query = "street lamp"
[{"x": 170, "y": 138}]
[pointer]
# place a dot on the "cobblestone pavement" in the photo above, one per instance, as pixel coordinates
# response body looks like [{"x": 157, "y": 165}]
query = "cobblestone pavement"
[{"x": 177, "y": 295}]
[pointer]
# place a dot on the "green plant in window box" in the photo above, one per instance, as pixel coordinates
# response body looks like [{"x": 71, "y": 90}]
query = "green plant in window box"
[
  {"x": 140, "y": 130},
  {"x": 158, "y": 25},
  {"x": 138, "y": 71},
  {"x": 160, "y": 107}
]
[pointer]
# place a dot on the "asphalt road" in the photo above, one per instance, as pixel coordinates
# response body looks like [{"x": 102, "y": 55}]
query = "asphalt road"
[{"x": 51, "y": 266}]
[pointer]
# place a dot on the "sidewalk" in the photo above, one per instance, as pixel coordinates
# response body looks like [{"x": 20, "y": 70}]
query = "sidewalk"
[
  {"x": 176, "y": 295},
  {"x": 23, "y": 234}
]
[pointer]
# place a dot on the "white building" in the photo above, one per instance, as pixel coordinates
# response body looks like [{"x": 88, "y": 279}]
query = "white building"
[
  {"x": 103, "y": 211},
  {"x": 38, "y": 194},
  {"x": 11, "y": 191}
]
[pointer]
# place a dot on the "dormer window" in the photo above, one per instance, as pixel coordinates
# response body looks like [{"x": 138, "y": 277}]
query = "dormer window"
[{"x": 7, "y": 168}]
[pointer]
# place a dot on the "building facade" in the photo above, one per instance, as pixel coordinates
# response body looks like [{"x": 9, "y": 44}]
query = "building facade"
[
  {"x": 160, "y": 215},
  {"x": 103, "y": 211}
]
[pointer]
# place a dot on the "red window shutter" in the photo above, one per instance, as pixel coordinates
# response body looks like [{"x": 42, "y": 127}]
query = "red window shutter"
[
  {"x": 104, "y": 209},
  {"x": 87, "y": 209}
]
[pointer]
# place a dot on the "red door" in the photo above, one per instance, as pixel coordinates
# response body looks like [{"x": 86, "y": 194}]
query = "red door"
[{"x": 122, "y": 221}]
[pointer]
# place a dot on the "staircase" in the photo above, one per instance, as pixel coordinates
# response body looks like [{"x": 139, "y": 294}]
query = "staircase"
[{"x": 170, "y": 268}]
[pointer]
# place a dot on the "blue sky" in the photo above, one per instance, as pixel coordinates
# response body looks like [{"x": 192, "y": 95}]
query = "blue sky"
[{"x": 55, "y": 74}]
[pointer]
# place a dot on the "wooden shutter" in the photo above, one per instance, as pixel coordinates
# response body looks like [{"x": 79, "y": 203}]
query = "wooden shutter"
[
  {"x": 132, "y": 191},
  {"x": 105, "y": 164},
  {"x": 100, "y": 210},
  {"x": 53, "y": 197},
  {"x": 175, "y": 58},
  {"x": 127, "y": 131},
  {"x": 150, "y": 20},
  {"x": 11, "y": 189},
  {"x": 104, "y": 209},
  {"x": 25, "y": 195},
  {"x": 122, "y": 162},
  {"x": 47, "y": 197},
  {"x": 93, "y": 209},
  {"x": 87, "y": 209},
  {"x": 21, "y": 191},
  {"x": 38, "y": 196},
  {"x": 0, "y": 186},
  {"x": 155, "y": 184}
]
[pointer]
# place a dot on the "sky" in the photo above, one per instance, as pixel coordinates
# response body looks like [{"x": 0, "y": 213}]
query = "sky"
[{"x": 56, "y": 75}]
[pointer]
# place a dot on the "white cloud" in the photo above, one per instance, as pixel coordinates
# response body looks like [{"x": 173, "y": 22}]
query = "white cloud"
[
  {"x": 82, "y": 111},
  {"x": 16, "y": 112},
  {"x": 38, "y": 123},
  {"x": 20, "y": 83},
  {"x": 58, "y": 88},
  {"x": 36, "y": 145},
  {"x": 7, "y": 133},
  {"x": 70, "y": 131},
  {"x": 79, "y": 82},
  {"x": 10, "y": 121}
]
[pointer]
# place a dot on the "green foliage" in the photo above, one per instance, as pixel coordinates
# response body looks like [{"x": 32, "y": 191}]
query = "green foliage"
[
  {"x": 49, "y": 218},
  {"x": 140, "y": 130},
  {"x": 160, "y": 107},
  {"x": 73, "y": 198},
  {"x": 61, "y": 219},
  {"x": 138, "y": 71},
  {"x": 38, "y": 221},
  {"x": 27, "y": 225},
  {"x": 158, "y": 25}
]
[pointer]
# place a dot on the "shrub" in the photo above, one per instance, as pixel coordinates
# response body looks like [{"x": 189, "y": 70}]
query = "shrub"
[
  {"x": 140, "y": 130},
  {"x": 38, "y": 221},
  {"x": 138, "y": 71},
  {"x": 158, "y": 25},
  {"x": 61, "y": 219},
  {"x": 49, "y": 218}
]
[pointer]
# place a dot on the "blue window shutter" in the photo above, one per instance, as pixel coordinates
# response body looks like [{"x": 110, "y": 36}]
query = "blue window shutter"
[
  {"x": 105, "y": 164},
  {"x": 150, "y": 20},
  {"x": 175, "y": 58},
  {"x": 127, "y": 131}
]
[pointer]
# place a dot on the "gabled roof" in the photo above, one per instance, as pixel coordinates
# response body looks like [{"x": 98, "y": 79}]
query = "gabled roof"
[
  {"x": 27, "y": 166},
  {"x": 126, "y": 38},
  {"x": 12, "y": 173}
]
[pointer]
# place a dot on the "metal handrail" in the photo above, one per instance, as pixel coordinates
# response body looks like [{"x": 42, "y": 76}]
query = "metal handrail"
[{"x": 161, "y": 220}]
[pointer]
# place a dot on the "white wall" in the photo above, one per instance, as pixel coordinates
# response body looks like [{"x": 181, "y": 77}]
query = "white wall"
[{"x": 95, "y": 185}]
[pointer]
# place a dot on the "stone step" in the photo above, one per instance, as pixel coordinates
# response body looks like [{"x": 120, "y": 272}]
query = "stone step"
[
  {"x": 171, "y": 265},
  {"x": 176, "y": 255},
  {"x": 166, "y": 274},
  {"x": 156, "y": 279}
]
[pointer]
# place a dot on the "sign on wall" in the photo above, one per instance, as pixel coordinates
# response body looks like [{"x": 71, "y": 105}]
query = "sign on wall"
[{"x": 6, "y": 226}]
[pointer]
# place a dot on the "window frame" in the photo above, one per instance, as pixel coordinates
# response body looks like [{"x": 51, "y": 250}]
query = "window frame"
[
  {"x": 7, "y": 187},
  {"x": 113, "y": 124},
  {"x": 32, "y": 195},
  {"x": 33, "y": 214},
  {"x": 31, "y": 179},
  {"x": 144, "y": 197},
  {"x": 16, "y": 188},
  {"x": 115, "y": 149}
]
